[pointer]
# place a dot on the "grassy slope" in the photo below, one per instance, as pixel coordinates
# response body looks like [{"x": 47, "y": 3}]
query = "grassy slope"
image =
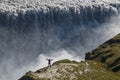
[
  {"x": 108, "y": 53},
  {"x": 71, "y": 70}
]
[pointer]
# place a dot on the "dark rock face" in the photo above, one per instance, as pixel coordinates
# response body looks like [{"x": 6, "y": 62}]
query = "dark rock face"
[
  {"x": 117, "y": 61},
  {"x": 108, "y": 53},
  {"x": 104, "y": 58},
  {"x": 26, "y": 78},
  {"x": 117, "y": 68},
  {"x": 110, "y": 42}
]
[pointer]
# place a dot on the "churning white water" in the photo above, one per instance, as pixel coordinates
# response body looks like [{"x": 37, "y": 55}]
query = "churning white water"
[{"x": 31, "y": 31}]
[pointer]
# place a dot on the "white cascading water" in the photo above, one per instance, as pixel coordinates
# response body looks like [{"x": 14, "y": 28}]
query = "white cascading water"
[{"x": 31, "y": 31}]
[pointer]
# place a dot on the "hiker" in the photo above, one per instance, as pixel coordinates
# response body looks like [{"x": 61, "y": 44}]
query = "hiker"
[{"x": 49, "y": 62}]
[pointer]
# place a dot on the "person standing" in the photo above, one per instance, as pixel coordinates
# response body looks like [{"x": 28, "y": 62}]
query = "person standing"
[{"x": 49, "y": 62}]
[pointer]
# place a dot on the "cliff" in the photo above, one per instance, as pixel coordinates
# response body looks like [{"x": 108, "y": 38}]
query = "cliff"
[{"x": 107, "y": 53}]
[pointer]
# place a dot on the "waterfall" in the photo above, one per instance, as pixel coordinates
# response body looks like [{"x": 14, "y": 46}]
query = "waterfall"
[{"x": 30, "y": 29}]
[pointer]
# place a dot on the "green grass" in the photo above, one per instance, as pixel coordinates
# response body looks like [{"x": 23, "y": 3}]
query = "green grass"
[{"x": 110, "y": 47}]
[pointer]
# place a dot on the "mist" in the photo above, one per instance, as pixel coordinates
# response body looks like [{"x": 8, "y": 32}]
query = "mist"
[{"x": 28, "y": 38}]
